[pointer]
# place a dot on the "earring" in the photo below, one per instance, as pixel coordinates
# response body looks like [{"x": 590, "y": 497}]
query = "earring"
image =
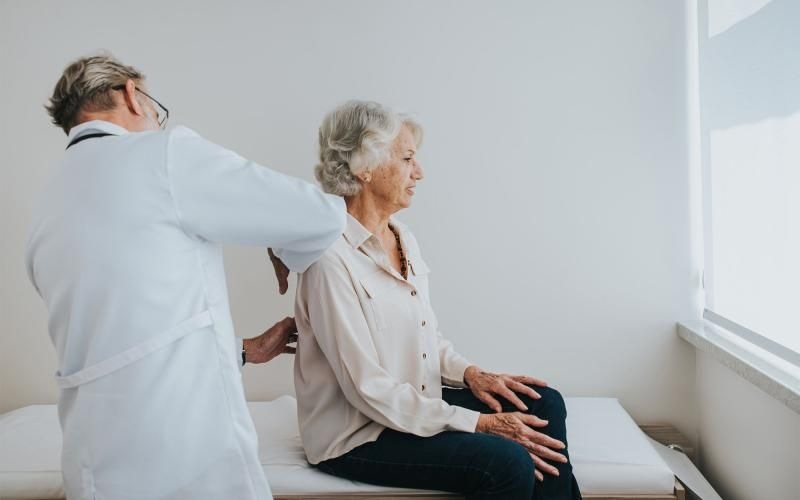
[{"x": 367, "y": 178}]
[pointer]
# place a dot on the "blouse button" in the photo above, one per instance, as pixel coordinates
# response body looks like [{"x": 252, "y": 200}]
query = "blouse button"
[
  {"x": 413, "y": 293},
  {"x": 423, "y": 387},
  {"x": 424, "y": 322},
  {"x": 424, "y": 356}
]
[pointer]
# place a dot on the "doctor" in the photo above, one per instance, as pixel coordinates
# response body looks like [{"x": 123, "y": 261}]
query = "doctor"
[{"x": 126, "y": 251}]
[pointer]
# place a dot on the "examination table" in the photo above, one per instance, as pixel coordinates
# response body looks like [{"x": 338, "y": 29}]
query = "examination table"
[{"x": 611, "y": 456}]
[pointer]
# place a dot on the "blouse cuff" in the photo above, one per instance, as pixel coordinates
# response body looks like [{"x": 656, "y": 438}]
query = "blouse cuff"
[
  {"x": 464, "y": 420},
  {"x": 453, "y": 374}
]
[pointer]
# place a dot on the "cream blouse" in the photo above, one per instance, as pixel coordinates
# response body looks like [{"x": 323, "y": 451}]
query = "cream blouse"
[{"x": 370, "y": 354}]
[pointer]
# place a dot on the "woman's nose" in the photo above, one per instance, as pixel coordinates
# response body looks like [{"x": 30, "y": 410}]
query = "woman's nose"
[{"x": 418, "y": 172}]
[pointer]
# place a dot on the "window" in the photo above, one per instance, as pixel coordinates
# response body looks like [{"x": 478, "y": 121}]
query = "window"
[{"x": 750, "y": 119}]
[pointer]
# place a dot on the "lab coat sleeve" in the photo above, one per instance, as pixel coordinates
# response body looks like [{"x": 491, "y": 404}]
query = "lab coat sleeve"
[
  {"x": 221, "y": 197},
  {"x": 341, "y": 330},
  {"x": 29, "y": 269}
]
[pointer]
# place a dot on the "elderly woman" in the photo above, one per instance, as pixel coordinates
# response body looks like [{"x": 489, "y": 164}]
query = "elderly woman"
[{"x": 371, "y": 363}]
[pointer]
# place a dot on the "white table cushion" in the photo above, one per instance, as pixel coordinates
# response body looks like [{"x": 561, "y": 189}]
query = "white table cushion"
[
  {"x": 610, "y": 454},
  {"x": 30, "y": 453}
]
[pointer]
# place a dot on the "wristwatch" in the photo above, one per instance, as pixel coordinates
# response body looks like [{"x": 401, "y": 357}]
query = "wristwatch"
[{"x": 244, "y": 355}]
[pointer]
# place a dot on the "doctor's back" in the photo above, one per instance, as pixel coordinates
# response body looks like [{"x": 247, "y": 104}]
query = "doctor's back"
[{"x": 125, "y": 250}]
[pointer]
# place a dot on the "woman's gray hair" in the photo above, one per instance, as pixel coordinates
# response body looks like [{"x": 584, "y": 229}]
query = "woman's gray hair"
[
  {"x": 357, "y": 137},
  {"x": 86, "y": 85}
]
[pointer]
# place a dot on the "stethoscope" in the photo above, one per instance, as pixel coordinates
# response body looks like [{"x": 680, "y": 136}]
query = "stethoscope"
[{"x": 85, "y": 137}]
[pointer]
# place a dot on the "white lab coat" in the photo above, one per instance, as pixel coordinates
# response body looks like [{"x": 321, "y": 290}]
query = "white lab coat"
[{"x": 125, "y": 250}]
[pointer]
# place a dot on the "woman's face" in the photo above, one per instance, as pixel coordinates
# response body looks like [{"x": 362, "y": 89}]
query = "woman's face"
[{"x": 393, "y": 182}]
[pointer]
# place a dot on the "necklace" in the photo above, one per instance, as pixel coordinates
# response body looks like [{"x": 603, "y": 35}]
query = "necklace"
[{"x": 403, "y": 265}]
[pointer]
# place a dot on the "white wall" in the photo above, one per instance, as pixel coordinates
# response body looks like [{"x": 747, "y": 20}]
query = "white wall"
[
  {"x": 554, "y": 213},
  {"x": 749, "y": 442}
]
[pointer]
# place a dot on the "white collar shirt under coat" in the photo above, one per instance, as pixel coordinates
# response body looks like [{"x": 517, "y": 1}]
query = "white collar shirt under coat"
[{"x": 370, "y": 355}]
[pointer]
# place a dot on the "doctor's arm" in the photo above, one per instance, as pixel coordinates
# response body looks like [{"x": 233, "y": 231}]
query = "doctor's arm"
[
  {"x": 222, "y": 197},
  {"x": 271, "y": 343}
]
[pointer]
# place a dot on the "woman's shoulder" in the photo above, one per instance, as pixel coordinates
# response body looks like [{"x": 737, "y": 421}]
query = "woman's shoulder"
[{"x": 334, "y": 258}]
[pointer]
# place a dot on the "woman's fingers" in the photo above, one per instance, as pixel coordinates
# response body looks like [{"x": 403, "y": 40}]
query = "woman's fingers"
[
  {"x": 536, "y": 472},
  {"x": 522, "y": 389},
  {"x": 529, "y": 380},
  {"x": 543, "y": 466},
  {"x": 490, "y": 401},
  {"x": 532, "y": 420},
  {"x": 545, "y": 452},
  {"x": 512, "y": 398},
  {"x": 543, "y": 439},
  {"x": 289, "y": 350}
]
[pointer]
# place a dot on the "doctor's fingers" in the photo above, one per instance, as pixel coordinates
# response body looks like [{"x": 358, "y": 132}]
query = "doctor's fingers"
[
  {"x": 281, "y": 272},
  {"x": 289, "y": 323},
  {"x": 286, "y": 326}
]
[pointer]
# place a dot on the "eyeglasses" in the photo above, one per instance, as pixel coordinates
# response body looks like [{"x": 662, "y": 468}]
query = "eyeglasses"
[{"x": 161, "y": 116}]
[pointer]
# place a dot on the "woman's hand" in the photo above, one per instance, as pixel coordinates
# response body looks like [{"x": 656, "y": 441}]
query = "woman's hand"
[
  {"x": 272, "y": 342},
  {"x": 485, "y": 386},
  {"x": 518, "y": 427}
]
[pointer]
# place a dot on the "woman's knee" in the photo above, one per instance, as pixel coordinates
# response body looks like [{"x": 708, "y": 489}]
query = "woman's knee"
[
  {"x": 553, "y": 403},
  {"x": 512, "y": 467}
]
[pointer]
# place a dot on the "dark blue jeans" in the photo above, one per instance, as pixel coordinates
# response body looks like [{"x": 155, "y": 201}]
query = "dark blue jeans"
[{"x": 478, "y": 466}]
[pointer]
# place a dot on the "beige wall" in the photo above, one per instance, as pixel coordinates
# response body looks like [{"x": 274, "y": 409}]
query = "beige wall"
[{"x": 554, "y": 210}]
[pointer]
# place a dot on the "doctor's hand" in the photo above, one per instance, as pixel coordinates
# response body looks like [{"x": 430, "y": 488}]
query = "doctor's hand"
[
  {"x": 486, "y": 385},
  {"x": 281, "y": 272},
  {"x": 272, "y": 342},
  {"x": 519, "y": 427}
]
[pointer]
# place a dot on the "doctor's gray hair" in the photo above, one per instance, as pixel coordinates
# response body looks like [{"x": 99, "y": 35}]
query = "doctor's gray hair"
[
  {"x": 356, "y": 137},
  {"x": 86, "y": 85}
]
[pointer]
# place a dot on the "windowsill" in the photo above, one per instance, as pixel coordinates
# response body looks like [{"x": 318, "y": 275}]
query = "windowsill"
[{"x": 775, "y": 376}]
